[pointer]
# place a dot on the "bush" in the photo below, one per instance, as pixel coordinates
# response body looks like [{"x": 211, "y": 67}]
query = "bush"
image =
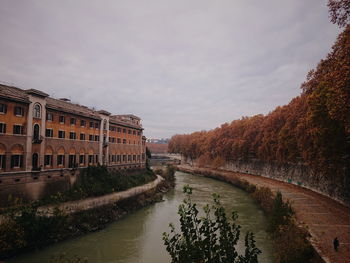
[
  {"x": 97, "y": 181},
  {"x": 205, "y": 239},
  {"x": 292, "y": 245},
  {"x": 264, "y": 196},
  {"x": 26, "y": 227},
  {"x": 281, "y": 214}
]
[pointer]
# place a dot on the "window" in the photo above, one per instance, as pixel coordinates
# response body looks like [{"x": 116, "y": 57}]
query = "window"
[
  {"x": 124, "y": 158},
  {"x": 124, "y": 141},
  {"x": 36, "y": 132},
  {"x": 72, "y": 161},
  {"x": 82, "y": 123},
  {"x": 129, "y": 131},
  {"x": 134, "y": 132},
  {"x": 91, "y": 159},
  {"x": 134, "y": 158},
  {"x": 119, "y": 140},
  {"x": 3, "y": 108},
  {"x": 61, "y": 119},
  {"x": 96, "y": 125},
  {"x": 61, "y": 134},
  {"x": 16, "y": 161},
  {"x": 118, "y": 158},
  {"x": 49, "y": 117},
  {"x": 2, "y": 127},
  {"x": 48, "y": 160},
  {"x": 91, "y": 137},
  {"x": 60, "y": 160},
  {"x": 97, "y": 138},
  {"x": 49, "y": 133},
  {"x": 138, "y": 133},
  {"x": 82, "y": 159},
  {"x": 82, "y": 136},
  {"x": 129, "y": 158},
  {"x": 17, "y": 129},
  {"x": 96, "y": 158},
  {"x": 73, "y": 121},
  {"x": 72, "y": 136},
  {"x": 2, "y": 161},
  {"x": 119, "y": 130},
  {"x": 104, "y": 125},
  {"x": 92, "y": 124},
  {"x": 18, "y": 111},
  {"x": 37, "y": 111},
  {"x": 124, "y": 130}
]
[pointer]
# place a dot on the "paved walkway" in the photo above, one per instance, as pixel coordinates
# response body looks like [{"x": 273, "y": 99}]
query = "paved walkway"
[{"x": 324, "y": 217}]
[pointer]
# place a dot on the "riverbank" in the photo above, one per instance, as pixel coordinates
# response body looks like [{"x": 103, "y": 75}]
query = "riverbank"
[
  {"x": 33, "y": 228},
  {"x": 323, "y": 217}
]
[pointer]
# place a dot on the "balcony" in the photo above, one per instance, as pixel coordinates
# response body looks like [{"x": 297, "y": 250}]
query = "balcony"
[{"x": 38, "y": 140}]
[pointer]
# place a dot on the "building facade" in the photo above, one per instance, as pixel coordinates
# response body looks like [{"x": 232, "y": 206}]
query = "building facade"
[{"x": 40, "y": 134}]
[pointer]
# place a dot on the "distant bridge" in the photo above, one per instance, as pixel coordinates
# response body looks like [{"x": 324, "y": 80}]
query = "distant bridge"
[{"x": 164, "y": 159}]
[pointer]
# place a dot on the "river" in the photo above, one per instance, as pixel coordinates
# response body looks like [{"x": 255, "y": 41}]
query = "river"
[{"x": 137, "y": 238}]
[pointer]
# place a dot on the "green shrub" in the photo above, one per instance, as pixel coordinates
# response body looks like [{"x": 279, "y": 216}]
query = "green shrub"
[
  {"x": 207, "y": 239},
  {"x": 97, "y": 181},
  {"x": 264, "y": 196},
  {"x": 281, "y": 214}
]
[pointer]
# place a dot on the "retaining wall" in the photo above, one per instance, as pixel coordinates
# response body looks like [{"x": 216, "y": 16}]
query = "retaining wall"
[{"x": 335, "y": 186}]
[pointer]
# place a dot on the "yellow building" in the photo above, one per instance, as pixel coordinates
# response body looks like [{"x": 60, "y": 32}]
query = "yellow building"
[{"x": 39, "y": 134}]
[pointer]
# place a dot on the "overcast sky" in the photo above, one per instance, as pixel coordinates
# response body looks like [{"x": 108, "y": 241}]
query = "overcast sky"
[{"x": 181, "y": 65}]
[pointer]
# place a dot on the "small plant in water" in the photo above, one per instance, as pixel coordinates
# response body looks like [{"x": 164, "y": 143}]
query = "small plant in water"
[{"x": 211, "y": 238}]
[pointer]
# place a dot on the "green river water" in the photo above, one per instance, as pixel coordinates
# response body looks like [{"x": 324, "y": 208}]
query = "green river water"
[{"x": 137, "y": 238}]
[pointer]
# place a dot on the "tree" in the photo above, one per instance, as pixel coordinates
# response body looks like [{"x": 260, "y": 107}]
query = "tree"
[
  {"x": 207, "y": 239},
  {"x": 339, "y": 11}
]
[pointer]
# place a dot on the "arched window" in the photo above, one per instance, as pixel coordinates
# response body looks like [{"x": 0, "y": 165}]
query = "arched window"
[{"x": 37, "y": 111}]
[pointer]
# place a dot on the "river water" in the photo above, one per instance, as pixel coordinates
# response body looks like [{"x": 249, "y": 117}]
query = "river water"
[{"x": 137, "y": 238}]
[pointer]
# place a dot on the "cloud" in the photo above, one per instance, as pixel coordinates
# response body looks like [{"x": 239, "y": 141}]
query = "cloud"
[{"x": 180, "y": 65}]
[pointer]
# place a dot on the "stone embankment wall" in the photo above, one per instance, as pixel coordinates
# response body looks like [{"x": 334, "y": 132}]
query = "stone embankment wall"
[
  {"x": 35, "y": 185},
  {"x": 336, "y": 186},
  {"x": 95, "y": 202}
]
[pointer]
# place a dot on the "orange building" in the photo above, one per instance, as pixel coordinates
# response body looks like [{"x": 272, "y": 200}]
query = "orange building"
[{"x": 42, "y": 134}]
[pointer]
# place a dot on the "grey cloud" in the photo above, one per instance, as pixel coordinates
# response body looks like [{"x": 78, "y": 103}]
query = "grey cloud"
[{"x": 180, "y": 65}]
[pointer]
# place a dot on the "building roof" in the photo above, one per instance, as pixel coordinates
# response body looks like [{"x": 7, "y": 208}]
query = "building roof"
[
  {"x": 128, "y": 116},
  {"x": 65, "y": 105},
  {"x": 115, "y": 119},
  {"x": 13, "y": 93},
  {"x": 36, "y": 93}
]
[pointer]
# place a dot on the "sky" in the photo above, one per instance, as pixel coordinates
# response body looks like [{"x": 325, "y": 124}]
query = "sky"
[{"x": 180, "y": 65}]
